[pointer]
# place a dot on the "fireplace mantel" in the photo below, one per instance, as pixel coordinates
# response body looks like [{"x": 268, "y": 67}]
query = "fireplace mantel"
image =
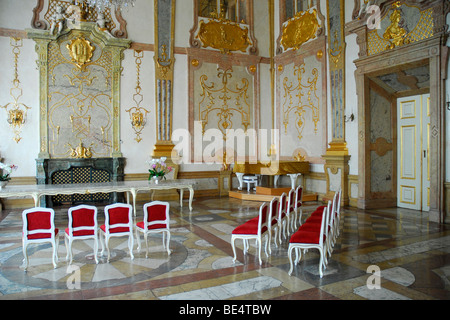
[{"x": 112, "y": 169}]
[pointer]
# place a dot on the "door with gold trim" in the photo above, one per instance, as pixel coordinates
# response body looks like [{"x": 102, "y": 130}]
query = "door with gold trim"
[{"x": 412, "y": 152}]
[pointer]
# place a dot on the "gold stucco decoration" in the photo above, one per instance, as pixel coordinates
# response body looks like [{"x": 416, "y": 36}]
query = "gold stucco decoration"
[
  {"x": 224, "y": 35},
  {"x": 300, "y": 29}
]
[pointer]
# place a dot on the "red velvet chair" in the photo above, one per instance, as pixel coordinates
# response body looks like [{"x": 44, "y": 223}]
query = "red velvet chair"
[
  {"x": 156, "y": 220},
  {"x": 310, "y": 237},
  {"x": 118, "y": 223},
  {"x": 82, "y": 225},
  {"x": 39, "y": 227},
  {"x": 255, "y": 228}
]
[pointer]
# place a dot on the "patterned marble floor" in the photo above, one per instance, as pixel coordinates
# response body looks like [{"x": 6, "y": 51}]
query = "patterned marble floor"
[{"x": 412, "y": 254}]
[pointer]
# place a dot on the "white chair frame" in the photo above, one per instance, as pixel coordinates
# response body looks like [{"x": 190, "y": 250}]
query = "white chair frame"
[
  {"x": 257, "y": 237},
  {"x": 54, "y": 239},
  {"x": 69, "y": 238},
  {"x": 273, "y": 210},
  {"x": 298, "y": 211},
  {"x": 108, "y": 235},
  {"x": 146, "y": 231}
]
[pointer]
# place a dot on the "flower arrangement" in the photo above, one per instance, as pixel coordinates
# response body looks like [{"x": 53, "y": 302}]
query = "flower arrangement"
[
  {"x": 158, "y": 168},
  {"x": 6, "y": 170}
]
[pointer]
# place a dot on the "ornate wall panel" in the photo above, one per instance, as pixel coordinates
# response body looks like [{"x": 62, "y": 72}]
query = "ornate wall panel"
[
  {"x": 301, "y": 101},
  {"x": 79, "y": 109},
  {"x": 79, "y": 91},
  {"x": 224, "y": 94}
]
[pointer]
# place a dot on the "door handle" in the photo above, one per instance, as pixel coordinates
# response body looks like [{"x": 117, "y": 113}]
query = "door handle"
[{"x": 424, "y": 153}]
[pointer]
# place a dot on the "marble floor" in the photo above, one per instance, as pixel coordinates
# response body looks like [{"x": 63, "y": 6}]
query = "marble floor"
[{"x": 411, "y": 255}]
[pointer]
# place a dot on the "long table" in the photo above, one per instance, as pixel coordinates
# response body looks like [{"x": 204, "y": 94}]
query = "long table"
[
  {"x": 130, "y": 187},
  {"x": 276, "y": 168}
]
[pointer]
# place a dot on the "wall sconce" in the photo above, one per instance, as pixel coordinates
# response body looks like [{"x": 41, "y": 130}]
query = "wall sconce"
[
  {"x": 138, "y": 114},
  {"x": 350, "y": 118},
  {"x": 17, "y": 111}
]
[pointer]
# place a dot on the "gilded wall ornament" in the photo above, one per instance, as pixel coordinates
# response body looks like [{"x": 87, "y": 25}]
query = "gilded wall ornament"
[
  {"x": 17, "y": 111},
  {"x": 138, "y": 114},
  {"x": 293, "y": 101},
  {"x": 224, "y": 35},
  {"x": 215, "y": 101},
  {"x": 80, "y": 51},
  {"x": 300, "y": 29},
  {"x": 395, "y": 33}
]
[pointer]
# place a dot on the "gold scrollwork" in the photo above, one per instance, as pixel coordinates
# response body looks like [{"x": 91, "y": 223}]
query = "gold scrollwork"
[
  {"x": 137, "y": 113},
  {"x": 238, "y": 96},
  {"x": 80, "y": 51},
  {"x": 224, "y": 35},
  {"x": 300, "y": 29},
  {"x": 298, "y": 91}
]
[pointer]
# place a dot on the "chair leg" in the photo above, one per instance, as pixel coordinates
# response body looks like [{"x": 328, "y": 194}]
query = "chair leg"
[
  {"x": 290, "y": 259},
  {"x": 107, "y": 247},
  {"x": 234, "y": 249},
  {"x": 102, "y": 242},
  {"x": 54, "y": 254},
  {"x": 259, "y": 250},
  {"x": 167, "y": 244},
  {"x": 131, "y": 245},
  {"x": 25, "y": 256},
  {"x": 67, "y": 248},
  {"x": 267, "y": 244},
  {"x": 321, "y": 262},
  {"x": 96, "y": 249},
  {"x": 138, "y": 237},
  {"x": 146, "y": 244}
]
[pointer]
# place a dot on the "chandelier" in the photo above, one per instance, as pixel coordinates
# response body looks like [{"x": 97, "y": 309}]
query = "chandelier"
[{"x": 102, "y": 4}]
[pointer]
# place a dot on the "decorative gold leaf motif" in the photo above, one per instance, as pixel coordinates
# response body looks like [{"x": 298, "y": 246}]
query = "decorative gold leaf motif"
[
  {"x": 80, "y": 51},
  {"x": 223, "y": 35},
  {"x": 300, "y": 29}
]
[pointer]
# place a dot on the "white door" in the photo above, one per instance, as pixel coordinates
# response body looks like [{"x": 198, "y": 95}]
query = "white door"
[
  {"x": 425, "y": 152},
  {"x": 412, "y": 152}
]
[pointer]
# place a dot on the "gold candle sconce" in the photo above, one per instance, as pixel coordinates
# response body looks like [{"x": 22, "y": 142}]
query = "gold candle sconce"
[
  {"x": 138, "y": 114},
  {"x": 16, "y": 111}
]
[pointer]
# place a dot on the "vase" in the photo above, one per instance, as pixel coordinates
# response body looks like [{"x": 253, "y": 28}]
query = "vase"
[
  {"x": 156, "y": 179},
  {"x": 3, "y": 184}
]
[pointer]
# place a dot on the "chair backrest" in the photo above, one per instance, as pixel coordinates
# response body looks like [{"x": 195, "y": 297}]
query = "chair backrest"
[
  {"x": 324, "y": 223},
  {"x": 298, "y": 196},
  {"x": 82, "y": 220},
  {"x": 333, "y": 209},
  {"x": 156, "y": 215},
  {"x": 282, "y": 206},
  {"x": 273, "y": 212},
  {"x": 338, "y": 202},
  {"x": 263, "y": 218},
  {"x": 290, "y": 200},
  {"x": 119, "y": 215},
  {"x": 38, "y": 223}
]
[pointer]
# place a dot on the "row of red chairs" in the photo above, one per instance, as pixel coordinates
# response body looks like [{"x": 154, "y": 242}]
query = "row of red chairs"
[
  {"x": 320, "y": 231},
  {"x": 39, "y": 227},
  {"x": 280, "y": 217}
]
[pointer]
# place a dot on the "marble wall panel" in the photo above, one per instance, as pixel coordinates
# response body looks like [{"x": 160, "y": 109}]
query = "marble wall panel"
[{"x": 301, "y": 105}]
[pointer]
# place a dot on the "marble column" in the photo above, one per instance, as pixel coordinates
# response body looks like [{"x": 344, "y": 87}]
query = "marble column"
[
  {"x": 164, "y": 62},
  {"x": 336, "y": 156}
]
